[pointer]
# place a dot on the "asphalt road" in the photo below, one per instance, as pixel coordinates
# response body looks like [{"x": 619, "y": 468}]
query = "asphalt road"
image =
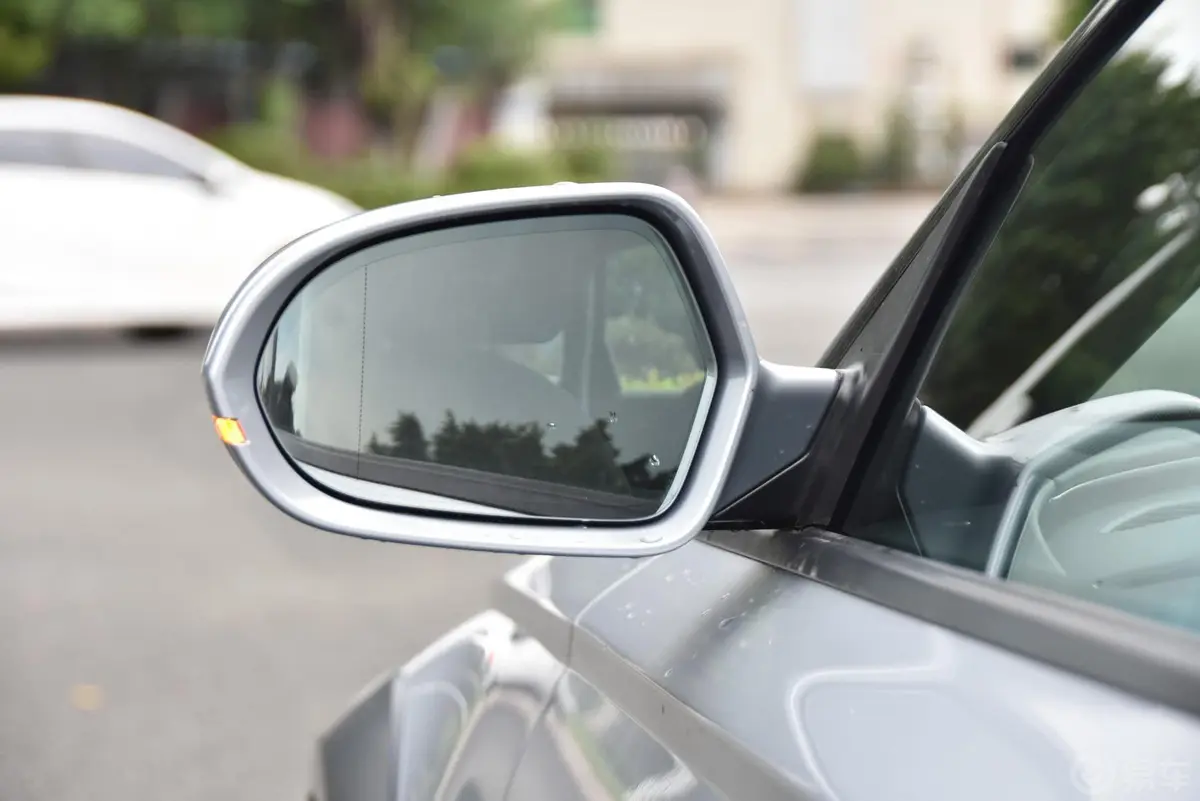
[{"x": 168, "y": 635}]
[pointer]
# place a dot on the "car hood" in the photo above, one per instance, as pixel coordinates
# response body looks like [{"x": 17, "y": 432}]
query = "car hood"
[{"x": 295, "y": 195}]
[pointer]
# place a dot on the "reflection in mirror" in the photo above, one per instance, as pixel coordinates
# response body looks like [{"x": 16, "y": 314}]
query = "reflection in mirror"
[{"x": 554, "y": 367}]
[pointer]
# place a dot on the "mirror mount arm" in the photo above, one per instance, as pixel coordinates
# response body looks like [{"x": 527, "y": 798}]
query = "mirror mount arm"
[{"x": 785, "y": 414}]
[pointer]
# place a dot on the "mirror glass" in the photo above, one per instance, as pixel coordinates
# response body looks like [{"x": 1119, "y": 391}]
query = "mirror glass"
[{"x": 554, "y": 367}]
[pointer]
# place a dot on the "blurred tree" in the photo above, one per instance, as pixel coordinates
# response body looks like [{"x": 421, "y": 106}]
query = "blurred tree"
[
  {"x": 31, "y": 31},
  {"x": 589, "y": 461},
  {"x": 412, "y": 47},
  {"x": 1074, "y": 233},
  {"x": 834, "y": 163},
  {"x": 1071, "y": 14},
  {"x": 408, "y": 438},
  {"x": 497, "y": 39},
  {"x": 24, "y": 51},
  {"x": 396, "y": 53},
  {"x": 896, "y": 162}
]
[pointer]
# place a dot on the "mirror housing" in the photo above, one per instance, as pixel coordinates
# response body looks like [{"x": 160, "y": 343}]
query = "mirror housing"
[{"x": 345, "y": 506}]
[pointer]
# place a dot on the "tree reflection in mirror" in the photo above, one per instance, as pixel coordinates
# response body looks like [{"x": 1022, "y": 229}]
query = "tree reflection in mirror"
[{"x": 554, "y": 367}]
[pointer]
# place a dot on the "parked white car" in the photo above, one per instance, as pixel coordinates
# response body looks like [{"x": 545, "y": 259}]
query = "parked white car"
[{"x": 113, "y": 218}]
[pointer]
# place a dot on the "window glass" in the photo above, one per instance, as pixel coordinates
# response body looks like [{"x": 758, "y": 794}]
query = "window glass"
[
  {"x": 111, "y": 155},
  {"x": 432, "y": 361},
  {"x": 1058, "y": 436},
  {"x": 648, "y": 328},
  {"x": 33, "y": 148},
  {"x": 544, "y": 357}
]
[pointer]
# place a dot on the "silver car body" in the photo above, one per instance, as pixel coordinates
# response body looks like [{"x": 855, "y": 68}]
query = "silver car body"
[{"x": 704, "y": 674}]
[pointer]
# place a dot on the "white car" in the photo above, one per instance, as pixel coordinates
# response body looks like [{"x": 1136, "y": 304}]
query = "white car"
[{"x": 112, "y": 218}]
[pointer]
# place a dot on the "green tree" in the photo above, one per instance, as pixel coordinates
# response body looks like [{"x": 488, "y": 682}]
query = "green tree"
[
  {"x": 410, "y": 48},
  {"x": 395, "y": 52},
  {"x": 833, "y": 163},
  {"x": 31, "y": 31},
  {"x": 1074, "y": 233},
  {"x": 896, "y": 163},
  {"x": 1071, "y": 13},
  {"x": 498, "y": 39},
  {"x": 589, "y": 461},
  {"x": 408, "y": 438}
]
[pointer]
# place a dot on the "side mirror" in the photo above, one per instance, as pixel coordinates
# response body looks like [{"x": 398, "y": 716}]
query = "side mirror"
[{"x": 559, "y": 370}]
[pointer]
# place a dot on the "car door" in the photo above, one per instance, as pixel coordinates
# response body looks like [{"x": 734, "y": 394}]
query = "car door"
[
  {"x": 42, "y": 254},
  {"x": 952, "y": 611},
  {"x": 150, "y": 228}
]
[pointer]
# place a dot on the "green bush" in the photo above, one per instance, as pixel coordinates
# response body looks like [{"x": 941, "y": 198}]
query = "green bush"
[
  {"x": 374, "y": 181},
  {"x": 587, "y": 164},
  {"x": 369, "y": 182},
  {"x": 263, "y": 148},
  {"x": 485, "y": 166},
  {"x": 896, "y": 164},
  {"x": 833, "y": 164}
]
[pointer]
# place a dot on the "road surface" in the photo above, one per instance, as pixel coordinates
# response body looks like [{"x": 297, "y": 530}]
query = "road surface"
[{"x": 167, "y": 634}]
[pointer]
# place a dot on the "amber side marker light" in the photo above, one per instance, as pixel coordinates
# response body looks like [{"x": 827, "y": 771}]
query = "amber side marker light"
[{"x": 229, "y": 430}]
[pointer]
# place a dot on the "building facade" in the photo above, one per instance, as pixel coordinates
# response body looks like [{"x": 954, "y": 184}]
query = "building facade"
[{"x": 735, "y": 90}]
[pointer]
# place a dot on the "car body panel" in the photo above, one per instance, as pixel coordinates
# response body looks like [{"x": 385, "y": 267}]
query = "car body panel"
[
  {"x": 703, "y": 674},
  {"x": 452, "y": 723},
  {"x": 816, "y": 683},
  {"x": 586, "y": 748}
]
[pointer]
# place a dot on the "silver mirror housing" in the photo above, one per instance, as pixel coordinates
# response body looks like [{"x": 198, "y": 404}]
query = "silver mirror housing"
[{"x": 454, "y": 511}]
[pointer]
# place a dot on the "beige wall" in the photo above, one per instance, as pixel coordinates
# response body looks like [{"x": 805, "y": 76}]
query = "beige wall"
[
  {"x": 771, "y": 113},
  {"x": 741, "y": 37}
]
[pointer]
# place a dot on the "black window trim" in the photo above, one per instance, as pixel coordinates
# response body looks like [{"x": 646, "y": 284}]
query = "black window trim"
[
  {"x": 1131, "y": 654},
  {"x": 947, "y": 248},
  {"x": 1125, "y": 652}
]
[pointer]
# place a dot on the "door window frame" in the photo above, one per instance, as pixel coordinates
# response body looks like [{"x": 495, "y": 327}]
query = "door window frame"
[{"x": 883, "y": 354}]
